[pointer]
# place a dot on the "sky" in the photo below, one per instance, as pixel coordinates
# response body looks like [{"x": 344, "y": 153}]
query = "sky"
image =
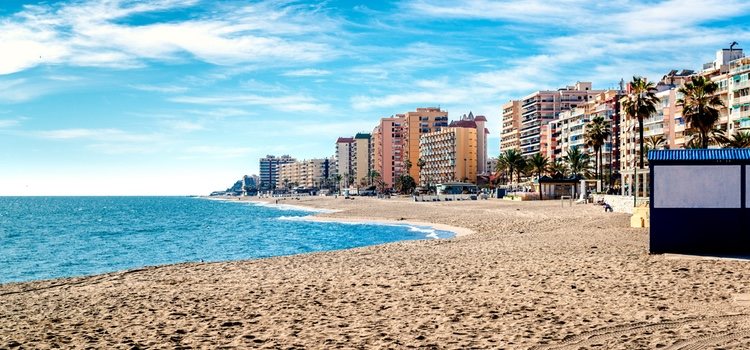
[{"x": 180, "y": 97}]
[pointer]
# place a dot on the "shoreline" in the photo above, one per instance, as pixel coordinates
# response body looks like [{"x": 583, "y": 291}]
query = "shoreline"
[{"x": 316, "y": 216}]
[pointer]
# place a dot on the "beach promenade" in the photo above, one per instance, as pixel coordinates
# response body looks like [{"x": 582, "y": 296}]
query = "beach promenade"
[{"x": 520, "y": 275}]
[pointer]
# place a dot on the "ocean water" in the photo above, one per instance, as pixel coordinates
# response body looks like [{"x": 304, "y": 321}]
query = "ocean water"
[{"x": 50, "y": 237}]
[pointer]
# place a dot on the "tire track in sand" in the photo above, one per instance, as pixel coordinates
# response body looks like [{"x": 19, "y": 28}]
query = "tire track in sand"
[{"x": 604, "y": 334}]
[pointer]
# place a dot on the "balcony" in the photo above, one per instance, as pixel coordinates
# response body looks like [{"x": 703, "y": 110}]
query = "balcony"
[{"x": 740, "y": 85}]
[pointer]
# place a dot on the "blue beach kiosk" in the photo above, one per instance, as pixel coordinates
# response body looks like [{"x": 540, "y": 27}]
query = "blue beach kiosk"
[{"x": 699, "y": 201}]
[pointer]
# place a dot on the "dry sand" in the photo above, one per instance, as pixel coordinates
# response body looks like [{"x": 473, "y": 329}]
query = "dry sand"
[{"x": 533, "y": 275}]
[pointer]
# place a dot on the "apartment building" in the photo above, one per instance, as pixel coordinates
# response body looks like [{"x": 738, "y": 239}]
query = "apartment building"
[
  {"x": 345, "y": 160},
  {"x": 450, "y": 155},
  {"x": 422, "y": 121},
  {"x": 269, "y": 170},
  {"x": 510, "y": 124},
  {"x": 362, "y": 163},
  {"x": 311, "y": 173},
  {"x": 569, "y": 130},
  {"x": 541, "y": 107},
  {"x": 479, "y": 124},
  {"x": 726, "y": 70},
  {"x": 389, "y": 148},
  {"x": 738, "y": 94}
]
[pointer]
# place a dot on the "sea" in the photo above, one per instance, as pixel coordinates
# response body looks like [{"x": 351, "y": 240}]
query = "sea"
[{"x": 53, "y": 237}]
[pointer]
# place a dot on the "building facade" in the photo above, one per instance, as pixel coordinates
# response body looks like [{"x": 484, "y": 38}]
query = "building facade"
[
  {"x": 362, "y": 163},
  {"x": 345, "y": 160},
  {"x": 450, "y": 155},
  {"x": 569, "y": 131},
  {"x": 311, "y": 173},
  {"x": 389, "y": 147},
  {"x": 423, "y": 121},
  {"x": 541, "y": 107},
  {"x": 269, "y": 170},
  {"x": 510, "y": 125}
]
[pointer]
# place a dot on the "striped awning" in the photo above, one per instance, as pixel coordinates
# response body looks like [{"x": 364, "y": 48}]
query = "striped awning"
[{"x": 700, "y": 154}]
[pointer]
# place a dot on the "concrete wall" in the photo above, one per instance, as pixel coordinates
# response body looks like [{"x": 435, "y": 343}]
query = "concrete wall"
[{"x": 619, "y": 204}]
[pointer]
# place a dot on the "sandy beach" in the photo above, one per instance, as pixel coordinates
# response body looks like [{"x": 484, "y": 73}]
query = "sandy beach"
[{"x": 520, "y": 275}]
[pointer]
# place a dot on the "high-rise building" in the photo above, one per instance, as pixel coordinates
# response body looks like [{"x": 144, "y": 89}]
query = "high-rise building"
[
  {"x": 345, "y": 162},
  {"x": 569, "y": 131},
  {"x": 269, "y": 170},
  {"x": 511, "y": 123},
  {"x": 311, "y": 173},
  {"x": 477, "y": 123},
  {"x": 449, "y": 154},
  {"x": 541, "y": 107},
  {"x": 389, "y": 148},
  {"x": 362, "y": 163},
  {"x": 424, "y": 120},
  {"x": 738, "y": 89},
  {"x": 728, "y": 72}
]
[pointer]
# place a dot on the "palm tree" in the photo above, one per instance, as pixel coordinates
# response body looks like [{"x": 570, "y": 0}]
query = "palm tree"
[
  {"x": 513, "y": 161},
  {"x": 597, "y": 133},
  {"x": 338, "y": 178},
  {"x": 372, "y": 175},
  {"x": 539, "y": 164},
  {"x": 420, "y": 164},
  {"x": 740, "y": 139},
  {"x": 407, "y": 165},
  {"x": 522, "y": 168},
  {"x": 656, "y": 142},
  {"x": 700, "y": 106},
  {"x": 578, "y": 161},
  {"x": 559, "y": 167},
  {"x": 501, "y": 166},
  {"x": 641, "y": 103}
]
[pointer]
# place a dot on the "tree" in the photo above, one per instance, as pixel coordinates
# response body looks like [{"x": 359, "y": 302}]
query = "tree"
[
  {"x": 656, "y": 142},
  {"x": 405, "y": 184},
  {"x": 539, "y": 164},
  {"x": 337, "y": 179},
  {"x": 641, "y": 104},
  {"x": 694, "y": 140},
  {"x": 597, "y": 133},
  {"x": 522, "y": 168},
  {"x": 559, "y": 167},
  {"x": 512, "y": 160},
  {"x": 420, "y": 164},
  {"x": 372, "y": 175},
  {"x": 578, "y": 161},
  {"x": 407, "y": 165},
  {"x": 700, "y": 106},
  {"x": 501, "y": 167},
  {"x": 740, "y": 139}
]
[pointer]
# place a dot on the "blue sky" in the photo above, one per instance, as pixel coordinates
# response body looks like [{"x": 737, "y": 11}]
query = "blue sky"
[{"x": 183, "y": 96}]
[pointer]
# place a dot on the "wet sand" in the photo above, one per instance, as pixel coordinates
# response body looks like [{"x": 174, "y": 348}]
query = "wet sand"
[{"x": 530, "y": 275}]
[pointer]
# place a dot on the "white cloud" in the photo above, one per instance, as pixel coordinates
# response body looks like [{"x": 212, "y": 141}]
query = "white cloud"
[
  {"x": 163, "y": 89},
  {"x": 22, "y": 89},
  {"x": 309, "y": 72},
  {"x": 89, "y": 33},
  {"x": 220, "y": 151},
  {"x": 289, "y": 103},
  {"x": 537, "y": 11},
  {"x": 185, "y": 125},
  {"x": 599, "y": 42},
  {"x": 109, "y": 135},
  {"x": 7, "y": 123}
]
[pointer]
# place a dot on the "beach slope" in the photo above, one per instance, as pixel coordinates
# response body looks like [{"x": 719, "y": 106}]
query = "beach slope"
[{"x": 530, "y": 275}]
